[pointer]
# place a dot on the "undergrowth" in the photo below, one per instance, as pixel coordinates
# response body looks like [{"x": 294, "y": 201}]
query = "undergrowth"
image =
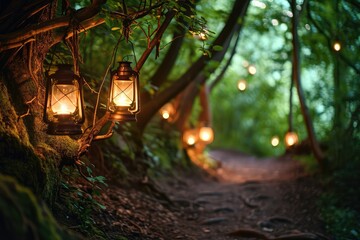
[{"x": 78, "y": 201}]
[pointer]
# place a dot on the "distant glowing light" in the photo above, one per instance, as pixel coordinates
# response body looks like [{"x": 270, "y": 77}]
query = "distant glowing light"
[
  {"x": 337, "y": 46},
  {"x": 275, "y": 141},
  {"x": 165, "y": 115},
  {"x": 242, "y": 84},
  {"x": 167, "y": 111},
  {"x": 252, "y": 69},
  {"x": 274, "y": 22},
  {"x": 245, "y": 64},
  {"x": 190, "y": 137},
  {"x": 307, "y": 27},
  {"x": 191, "y": 140},
  {"x": 206, "y": 134},
  {"x": 291, "y": 139},
  {"x": 258, "y": 4},
  {"x": 288, "y": 13}
]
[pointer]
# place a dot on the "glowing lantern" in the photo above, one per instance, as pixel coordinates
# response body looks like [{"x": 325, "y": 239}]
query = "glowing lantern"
[
  {"x": 64, "y": 110},
  {"x": 242, "y": 84},
  {"x": 275, "y": 141},
  {"x": 167, "y": 111},
  {"x": 337, "y": 46},
  {"x": 206, "y": 134},
  {"x": 291, "y": 139},
  {"x": 190, "y": 137},
  {"x": 124, "y": 93}
]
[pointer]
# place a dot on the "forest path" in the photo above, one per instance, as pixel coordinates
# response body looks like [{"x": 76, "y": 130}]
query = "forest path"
[{"x": 250, "y": 198}]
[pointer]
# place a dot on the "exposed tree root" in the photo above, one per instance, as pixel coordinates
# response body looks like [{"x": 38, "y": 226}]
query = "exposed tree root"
[{"x": 251, "y": 233}]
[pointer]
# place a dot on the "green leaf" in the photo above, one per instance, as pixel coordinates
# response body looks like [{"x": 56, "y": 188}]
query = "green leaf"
[{"x": 217, "y": 48}]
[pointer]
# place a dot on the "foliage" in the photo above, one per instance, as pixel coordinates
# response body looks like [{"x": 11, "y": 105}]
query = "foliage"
[
  {"x": 77, "y": 201},
  {"x": 341, "y": 221},
  {"x": 163, "y": 147}
]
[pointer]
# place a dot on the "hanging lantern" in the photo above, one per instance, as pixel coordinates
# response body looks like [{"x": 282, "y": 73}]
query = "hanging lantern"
[
  {"x": 242, "y": 84},
  {"x": 124, "y": 93},
  {"x": 167, "y": 111},
  {"x": 291, "y": 139},
  {"x": 190, "y": 137},
  {"x": 206, "y": 135},
  {"x": 64, "y": 111}
]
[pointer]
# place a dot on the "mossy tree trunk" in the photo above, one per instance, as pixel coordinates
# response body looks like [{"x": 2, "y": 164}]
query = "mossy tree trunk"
[{"x": 26, "y": 151}]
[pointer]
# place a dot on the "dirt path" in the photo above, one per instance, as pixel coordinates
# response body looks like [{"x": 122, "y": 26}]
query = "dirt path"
[
  {"x": 253, "y": 198},
  {"x": 250, "y": 198}
]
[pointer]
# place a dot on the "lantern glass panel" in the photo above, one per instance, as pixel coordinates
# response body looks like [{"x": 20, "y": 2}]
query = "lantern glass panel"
[
  {"x": 123, "y": 93},
  {"x": 64, "y": 98}
]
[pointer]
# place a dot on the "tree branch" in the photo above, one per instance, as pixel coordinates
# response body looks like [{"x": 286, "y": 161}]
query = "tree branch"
[
  {"x": 183, "y": 81},
  {"x": 168, "y": 17},
  {"x": 12, "y": 39}
]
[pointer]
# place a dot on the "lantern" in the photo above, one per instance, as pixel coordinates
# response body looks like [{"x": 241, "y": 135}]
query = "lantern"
[
  {"x": 291, "y": 139},
  {"x": 167, "y": 111},
  {"x": 190, "y": 137},
  {"x": 124, "y": 93},
  {"x": 64, "y": 111},
  {"x": 206, "y": 135}
]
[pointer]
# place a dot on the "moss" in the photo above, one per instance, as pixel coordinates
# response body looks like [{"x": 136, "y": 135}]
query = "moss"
[
  {"x": 8, "y": 119},
  {"x": 32, "y": 167},
  {"x": 22, "y": 217}
]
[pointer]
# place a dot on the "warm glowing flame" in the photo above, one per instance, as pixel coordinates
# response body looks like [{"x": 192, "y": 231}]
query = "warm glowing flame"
[
  {"x": 252, "y": 69},
  {"x": 64, "y": 98},
  {"x": 206, "y": 134},
  {"x": 242, "y": 85},
  {"x": 275, "y": 141},
  {"x": 337, "y": 46},
  {"x": 291, "y": 139},
  {"x": 123, "y": 93},
  {"x": 122, "y": 100}
]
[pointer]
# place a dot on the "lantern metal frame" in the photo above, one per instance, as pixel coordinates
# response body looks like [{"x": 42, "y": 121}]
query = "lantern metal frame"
[
  {"x": 124, "y": 113},
  {"x": 64, "y": 124}
]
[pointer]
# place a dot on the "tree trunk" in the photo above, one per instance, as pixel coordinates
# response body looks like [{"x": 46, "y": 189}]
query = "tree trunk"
[
  {"x": 26, "y": 151},
  {"x": 297, "y": 80},
  {"x": 150, "y": 108}
]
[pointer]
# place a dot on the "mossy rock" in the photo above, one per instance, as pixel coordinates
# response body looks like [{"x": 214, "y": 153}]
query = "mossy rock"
[{"x": 22, "y": 217}]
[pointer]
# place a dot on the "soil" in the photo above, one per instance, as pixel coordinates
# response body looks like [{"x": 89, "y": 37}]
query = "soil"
[{"x": 245, "y": 198}]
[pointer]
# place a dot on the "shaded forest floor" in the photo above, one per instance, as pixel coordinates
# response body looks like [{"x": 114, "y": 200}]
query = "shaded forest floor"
[{"x": 246, "y": 198}]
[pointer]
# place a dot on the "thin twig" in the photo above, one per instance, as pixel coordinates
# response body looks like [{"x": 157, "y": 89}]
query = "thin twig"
[
  {"x": 24, "y": 115},
  {"x": 103, "y": 81}
]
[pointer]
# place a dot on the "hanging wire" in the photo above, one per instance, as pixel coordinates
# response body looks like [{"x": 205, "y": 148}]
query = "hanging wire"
[{"x": 111, "y": 64}]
